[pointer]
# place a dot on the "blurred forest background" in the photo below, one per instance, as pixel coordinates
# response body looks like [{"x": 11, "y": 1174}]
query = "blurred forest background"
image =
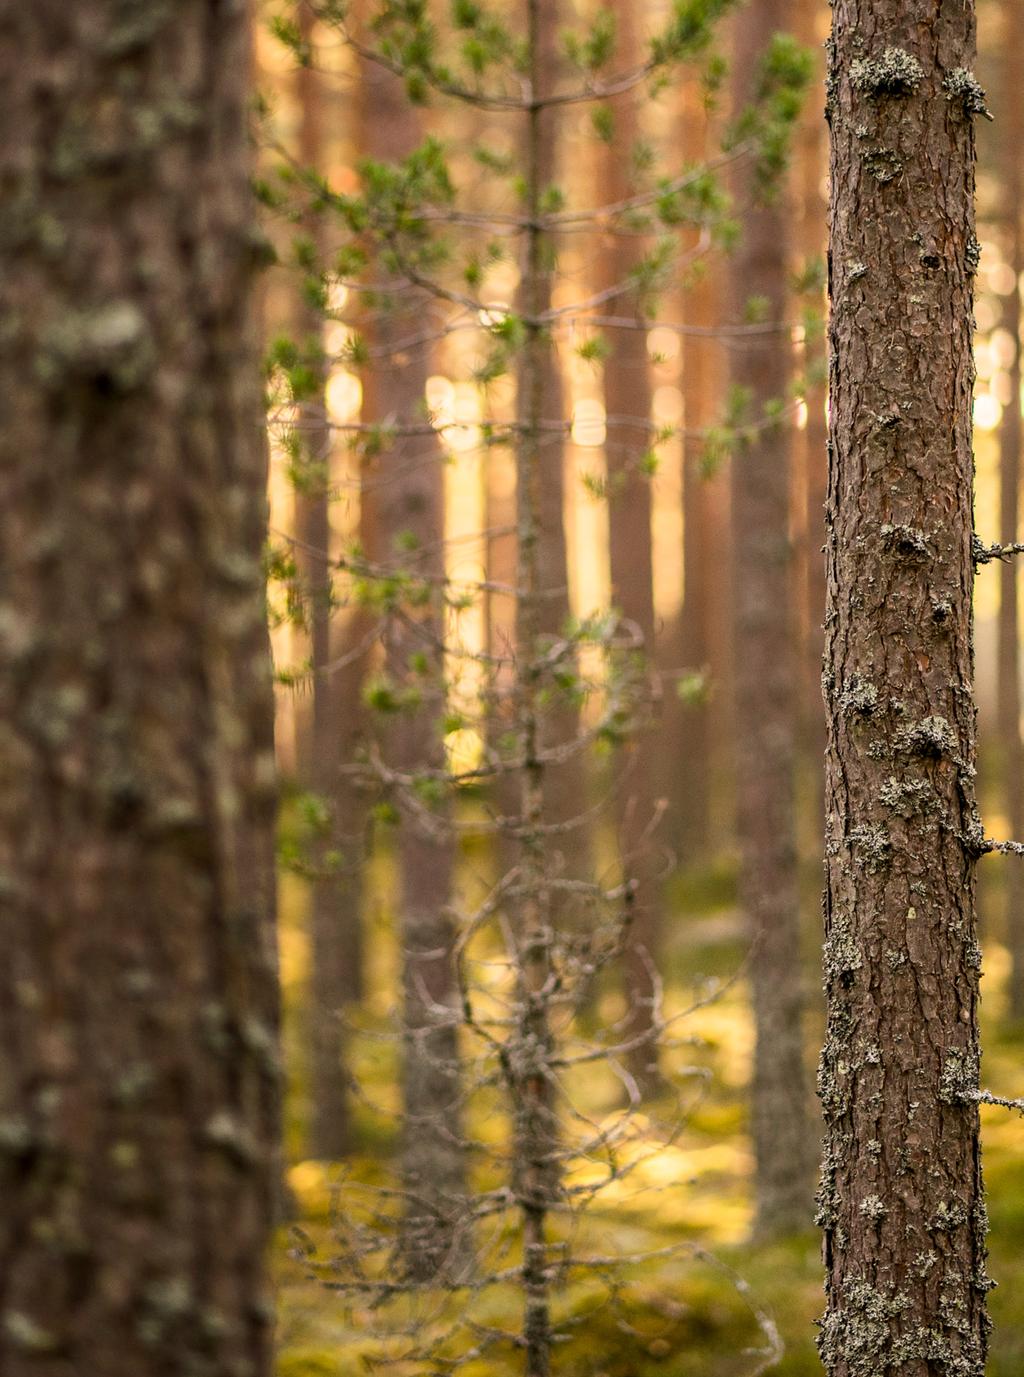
[{"x": 668, "y": 225}]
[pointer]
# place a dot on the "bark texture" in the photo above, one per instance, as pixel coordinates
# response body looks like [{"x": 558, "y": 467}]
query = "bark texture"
[
  {"x": 138, "y": 1045},
  {"x": 627, "y": 397},
  {"x": 1008, "y": 682},
  {"x": 765, "y": 691},
  {"x": 408, "y": 524},
  {"x": 901, "y": 1197}
]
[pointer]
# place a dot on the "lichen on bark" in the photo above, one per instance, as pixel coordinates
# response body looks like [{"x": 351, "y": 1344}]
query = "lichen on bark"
[
  {"x": 138, "y": 1049},
  {"x": 901, "y": 1202}
]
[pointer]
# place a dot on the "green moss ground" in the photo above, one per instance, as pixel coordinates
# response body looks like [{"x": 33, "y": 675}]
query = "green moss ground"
[{"x": 678, "y": 1316}]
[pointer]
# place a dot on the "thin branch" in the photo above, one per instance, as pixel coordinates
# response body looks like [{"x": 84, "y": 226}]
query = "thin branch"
[
  {"x": 985, "y": 554},
  {"x": 986, "y": 1097}
]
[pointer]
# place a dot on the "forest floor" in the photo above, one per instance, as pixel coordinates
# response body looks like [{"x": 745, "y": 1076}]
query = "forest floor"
[{"x": 678, "y": 1313}]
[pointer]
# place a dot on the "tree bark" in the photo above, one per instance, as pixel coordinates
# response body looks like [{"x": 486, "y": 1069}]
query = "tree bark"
[
  {"x": 139, "y": 1072},
  {"x": 565, "y": 783},
  {"x": 408, "y": 521},
  {"x": 627, "y": 398},
  {"x": 335, "y": 927},
  {"x": 901, "y": 1198},
  {"x": 1008, "y": 680},
  {"x": 765, "y": 688},
  {"x": 540, "y": 552},
  {"x": 689, "y": 819},
  {"x": 815, "y": 435}
]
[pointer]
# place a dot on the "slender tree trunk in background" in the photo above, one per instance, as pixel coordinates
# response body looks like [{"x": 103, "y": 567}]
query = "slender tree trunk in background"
[
  {"x": 534, "y": 1176},
  {"x": 408, "y": 518},
  {"x": 811, "y": 162},
  {"x": 627, "y": 398},
  {"x": 139, "y": 1070},
  {"x": 901, "y": 1198},
  {"x": 765, "y": 684},
  {"x": 565, "y": 784},
  {"x": 689, "y": 818},
  {"x": 334, "y": 920},
  {"x": 501, "y": 564},
  {"x": 1008, "y": 681}
]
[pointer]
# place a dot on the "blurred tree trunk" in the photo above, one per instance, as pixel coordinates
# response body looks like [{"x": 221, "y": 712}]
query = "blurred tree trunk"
[
  {"x": 139, "y": 1071},
  {"x": 813, "y": 229},
  {"x": 335, "y": 927},
  {"x": 408, "y": 522},
  {"x": 690, "y": 797},
  {"x": 565, "y": 782},
  {"x": 627, "y": 399},
  {"x": 765, "y": 688},
  {"x": 1011, "y": 134},
  {"x": 901, "y": 1200},
  {"x": 540, "y": 573}
]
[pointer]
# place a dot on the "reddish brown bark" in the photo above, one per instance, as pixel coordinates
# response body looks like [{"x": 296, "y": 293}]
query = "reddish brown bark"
[
  {"x": 565, "y": 782},
  {"x": 330, "y": 724},
  {"x": 765, "y": 691},
  {"x": 813, "y": 231},
  {"x": 689, "y": 820},
  {"x": 627, "y": 397},
  {"x": 138, "y": 1071},
  {"x": 1008, "y": 680},
  {"x": 408, "y": 523},
  {"x": 901, "y": 1196}
]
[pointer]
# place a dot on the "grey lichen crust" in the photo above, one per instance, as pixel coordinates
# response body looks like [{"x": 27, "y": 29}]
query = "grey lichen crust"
[
  {"x": 866, "y": 1334},
  {"x": 963, "y": 88},
  {"x": 895, "y": 73}
]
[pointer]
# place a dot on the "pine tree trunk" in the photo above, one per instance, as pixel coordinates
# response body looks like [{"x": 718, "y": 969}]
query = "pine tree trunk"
[
  {"x": 689, "y": 819},
  {"x": 627, "y": 397},
  {"x": 1008, "y": 681},
  {"x": 138, "y": 1070},
  {"x": 765, "y": 687},
  {"x": 539, "y": 539},
  {"x": 565, "y": 783},
  {"x": 901, "y": 1198},
  {"x": 815, "y": 435},
  {"x": 408, "y": 521},
  {"x": 334, "y": 918}
]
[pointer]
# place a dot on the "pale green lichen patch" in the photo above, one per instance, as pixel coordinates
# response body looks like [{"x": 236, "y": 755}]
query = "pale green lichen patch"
[
  {"x": 895, "y": 73},
  {"x": 873, "y": 1207},
  {"x": 963, "y": 89},
  {"x": 958, "y": 1083},
  {"x": 883, "y": 164},
  {"x": 872, "y": 846},
  {"x": 227, "y": 1133},
  {"x": 25, "y": 1334},
  {"x": 932, "y": 737},
  {"x": 860, "y": 696},
  {"x": 858, "y": 1333},
  {"x": 906, "y": 798},
  {"x": 863, "y": 1336},
  {"x": 165, "y": 1303},
  {"x": 948, "y": 1215},
  {"x": 833, "y": 1079},
  {"x": 16, "y": 1136},
  {"x": 111, "y": 343},
  {"x": 826, "y": 1198},
  {"x": 842, "y": 955}
]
